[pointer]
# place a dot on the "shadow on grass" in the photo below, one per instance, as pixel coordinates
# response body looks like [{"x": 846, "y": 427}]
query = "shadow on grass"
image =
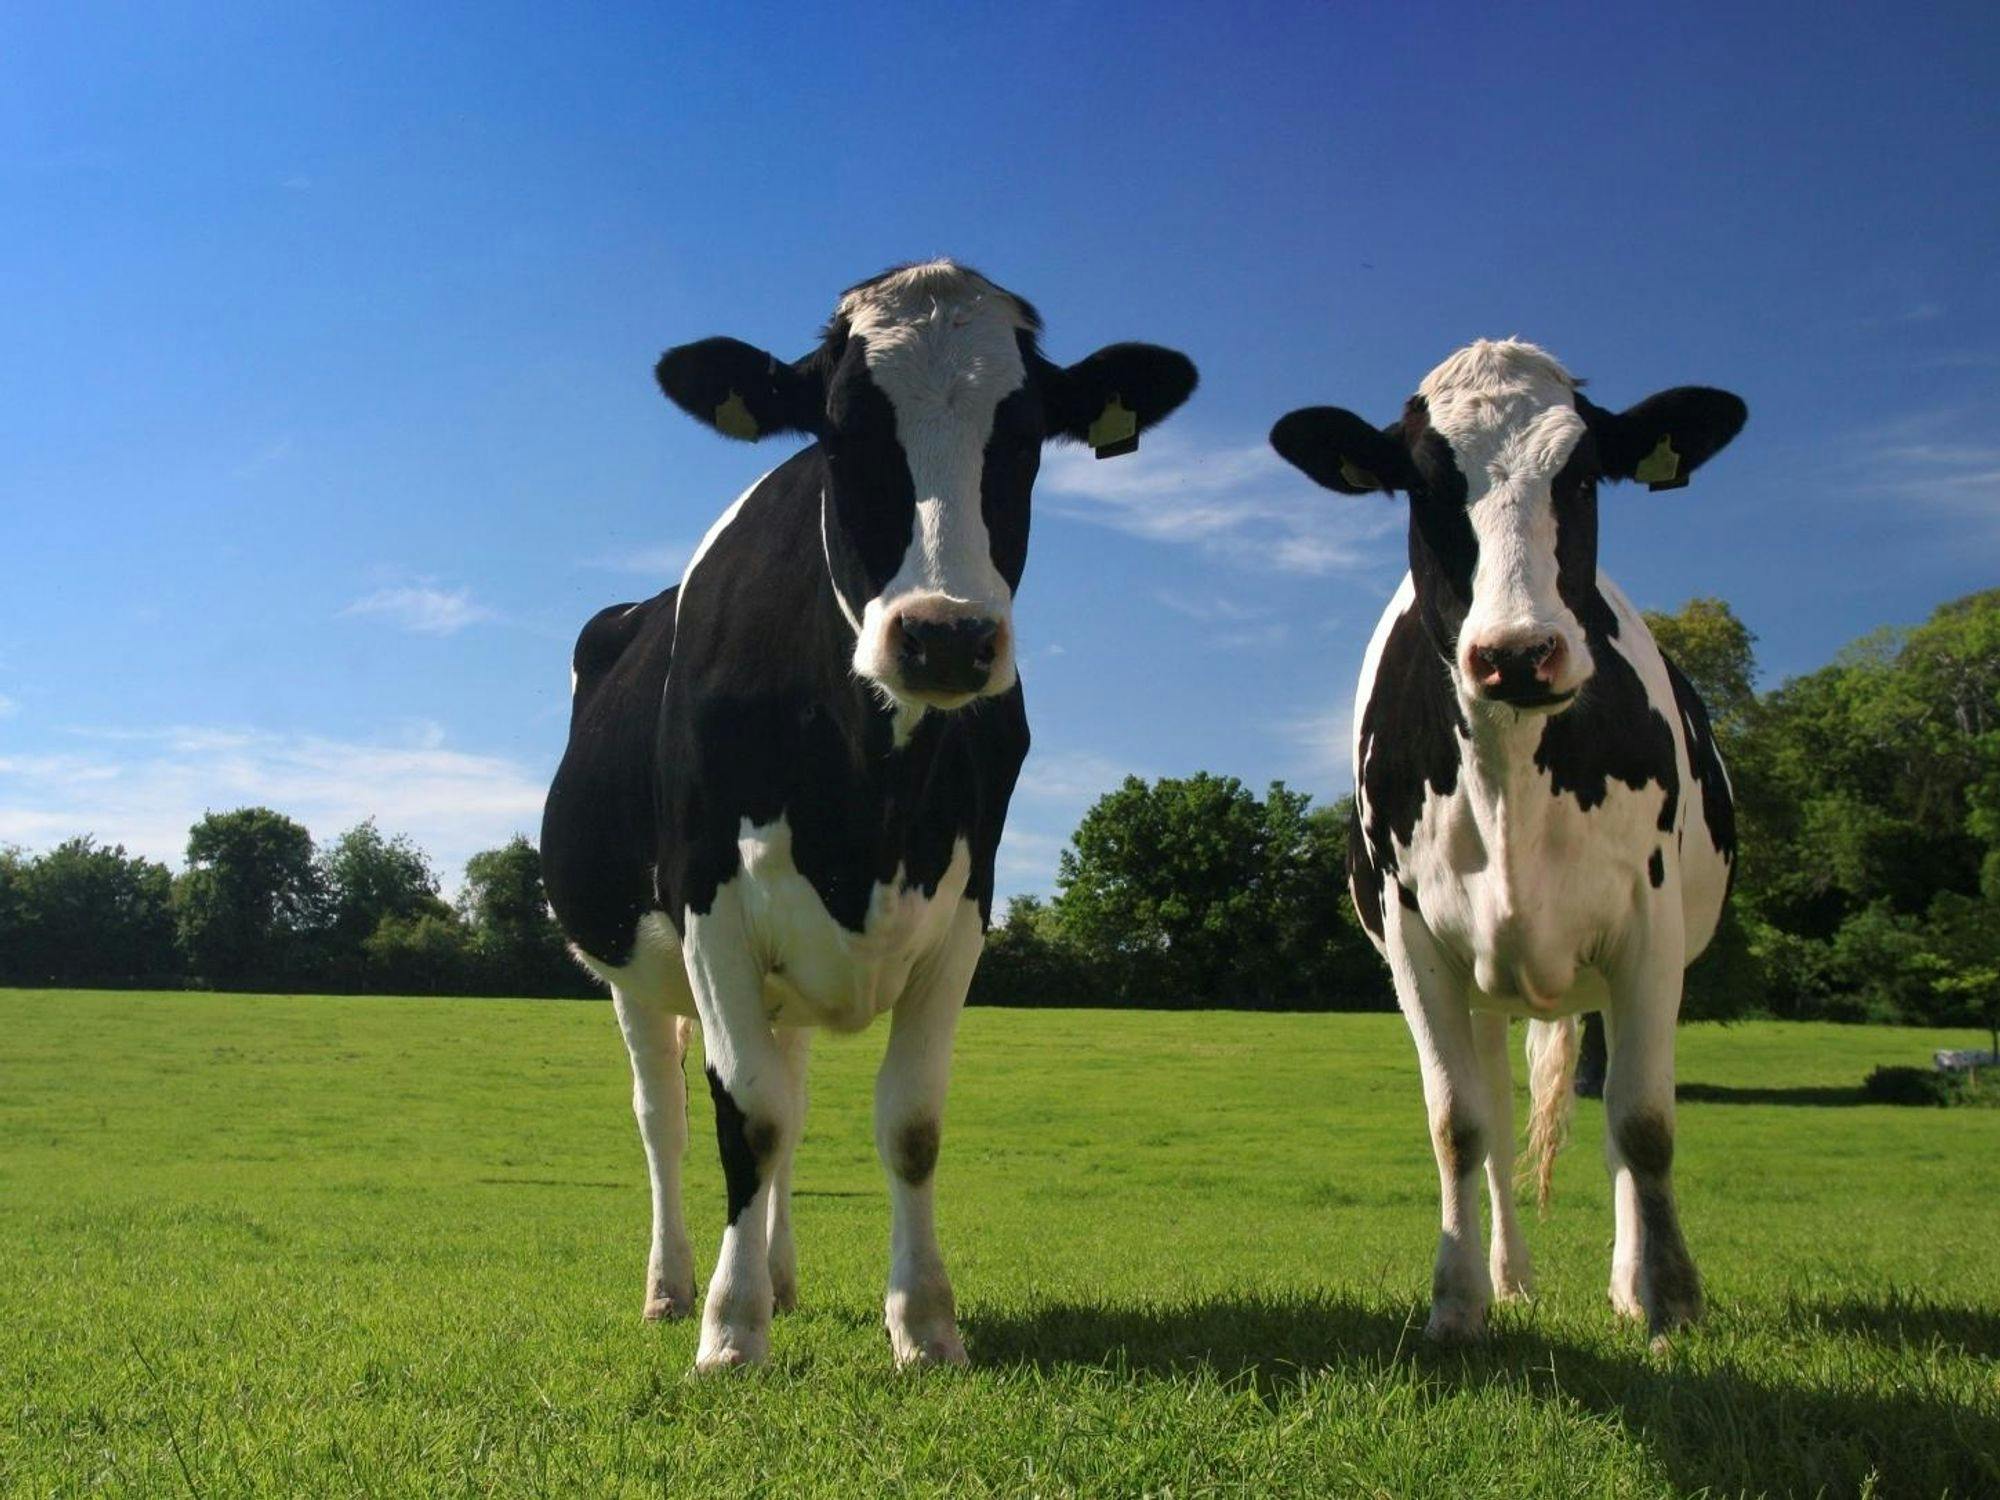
[
  {"x": 1717, "y": 1429},
  {"x": 1721, "y": 1093},
  {"x": 1906, "y": 1322}
]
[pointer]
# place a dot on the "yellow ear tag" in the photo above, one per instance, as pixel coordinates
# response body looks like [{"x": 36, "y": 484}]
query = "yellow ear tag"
[
  {"x": 1115, "y": 431},
  {"x": 1661, "y": 469},
  {"x": 1361, "y": 479},
  {"x": 733, "y": 418}
]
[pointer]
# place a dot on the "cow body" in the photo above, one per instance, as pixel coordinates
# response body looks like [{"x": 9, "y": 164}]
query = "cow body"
[
  {"x": 787, "y": 776},
  {"x": 1542, "y": 823}
]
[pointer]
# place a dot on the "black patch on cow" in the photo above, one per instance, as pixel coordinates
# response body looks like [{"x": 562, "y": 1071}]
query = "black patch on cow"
[
  {"x": 915, "y": 1151},
  {"x": 1411, "y": 734},
  {"x": 1718, "y": 806},
  {"x": 1646, "y": 1141},
  {"x": 745, "y": 1145},
  {"x": 1611, "y": 733},
  {"x": 1444, "y": 550},
  {"x": 868, "y": 485},
  {"x": 1407, "y": 896},
  {"x": 1656, "y": 869},
  {"x": 1461, "y": 1146},
  {"x": 1363, "y": 884},
  {"x": 597, "y": 846}
]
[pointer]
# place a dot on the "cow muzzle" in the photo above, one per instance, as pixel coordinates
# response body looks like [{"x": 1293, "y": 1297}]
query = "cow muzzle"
[
  {"x": 944, "y": 653},
  {"x": 1528, "y": 670}
]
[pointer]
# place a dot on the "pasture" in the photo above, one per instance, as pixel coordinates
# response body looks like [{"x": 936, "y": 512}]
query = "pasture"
[{"x": 301, "y": 1246}]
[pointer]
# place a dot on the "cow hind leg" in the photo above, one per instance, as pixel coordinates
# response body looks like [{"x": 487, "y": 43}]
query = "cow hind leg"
[
  {"x": 795, "y": 1046},
  {"x": 1652, "y": 1274},
  {"x": 1508, "y": 1263},
  {"x": 656, "y": 1039},
  {"x": 919, "y": 1310}
]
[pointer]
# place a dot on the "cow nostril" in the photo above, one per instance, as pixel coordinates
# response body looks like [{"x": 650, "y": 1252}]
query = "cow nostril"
[{"x": 1484, "y": 666}]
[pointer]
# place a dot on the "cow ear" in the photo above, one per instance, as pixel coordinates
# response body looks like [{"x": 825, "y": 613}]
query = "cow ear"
[
  {"x": 739, "y": 391},
  {"x": 1666, "y": 437},
  {"x": 1338, "y": 450},
  {"x": 1108, "y": 398}
]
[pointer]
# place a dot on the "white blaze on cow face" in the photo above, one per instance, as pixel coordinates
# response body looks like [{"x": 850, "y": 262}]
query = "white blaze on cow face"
[
  {"x": 942, "y": 345},
  {"x": 1509, "y": 412}
]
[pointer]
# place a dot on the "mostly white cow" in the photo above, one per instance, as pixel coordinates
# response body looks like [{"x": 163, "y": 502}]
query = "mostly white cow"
[
  {"x": 1542, "y": 825},
  {"x": 786, "y": 776}
]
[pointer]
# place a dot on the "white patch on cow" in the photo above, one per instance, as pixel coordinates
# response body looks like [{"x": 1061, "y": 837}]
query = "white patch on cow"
[
  {"x": 817, "y": 972},
  {"x": 941, "y": 345},
  {"x": 1509, "y": 412}
]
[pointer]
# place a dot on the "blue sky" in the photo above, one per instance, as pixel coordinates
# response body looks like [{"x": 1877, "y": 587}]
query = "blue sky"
[{"x": 326, "y": 414}]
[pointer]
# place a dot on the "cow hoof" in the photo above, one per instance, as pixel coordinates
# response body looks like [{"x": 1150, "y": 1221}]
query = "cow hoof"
[
  {"x": 1670, "y": 1315},
  {"x": 670, "y": 1307},
  {"x": 942, "y": 1348},
  {"x": 784, "y": 1294},
  {"x": 1511, "y": 1287},
  {"x": 1456, "y": 1323},
  {"x": 729, "y": 1351},
  {"x": 1624, "y": 1295}
]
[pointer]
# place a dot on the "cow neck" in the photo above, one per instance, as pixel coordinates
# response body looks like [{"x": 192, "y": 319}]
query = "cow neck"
[{"x": 903, "y": 718}]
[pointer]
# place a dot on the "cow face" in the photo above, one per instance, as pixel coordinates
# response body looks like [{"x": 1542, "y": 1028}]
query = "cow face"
[
  {"x": 931, "y": 402},
  {"x": 1500, "y": 456}
]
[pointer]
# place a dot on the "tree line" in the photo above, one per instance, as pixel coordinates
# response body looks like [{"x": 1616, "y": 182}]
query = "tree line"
[
  {"x": 1867, "y": 888},
  {"x": 259, "y": 907}
]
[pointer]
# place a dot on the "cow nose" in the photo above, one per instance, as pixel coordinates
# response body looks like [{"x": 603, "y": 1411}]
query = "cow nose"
[
  {"x": 1517, "y": 669},
  {"x": 947, "y": 656}
]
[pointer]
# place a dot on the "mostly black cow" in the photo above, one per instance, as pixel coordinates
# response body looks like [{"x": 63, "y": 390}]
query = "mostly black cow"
[
  {"x": 786, "y": 777},
  {"x": 1542, "y": 825}
]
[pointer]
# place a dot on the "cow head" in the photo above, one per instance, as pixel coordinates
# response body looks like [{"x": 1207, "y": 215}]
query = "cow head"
[
  {"x": 1500, "y": 456},
  {"x": 930, "y": 401}
]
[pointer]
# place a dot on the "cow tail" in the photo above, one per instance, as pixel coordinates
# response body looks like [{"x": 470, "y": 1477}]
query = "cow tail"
[{"x": 1552, "y": 1052}]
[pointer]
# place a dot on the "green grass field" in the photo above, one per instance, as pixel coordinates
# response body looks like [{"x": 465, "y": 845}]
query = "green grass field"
[{"x": 297, "y": 1246}]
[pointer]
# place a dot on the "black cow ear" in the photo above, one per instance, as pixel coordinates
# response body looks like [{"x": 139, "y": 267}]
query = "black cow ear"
[
  {"x": 739, "y": 391},
  {"x": 1666, "y": 437},
  {"x": 1108, "y": 398},
  {"x": 1338, "y": 450}
]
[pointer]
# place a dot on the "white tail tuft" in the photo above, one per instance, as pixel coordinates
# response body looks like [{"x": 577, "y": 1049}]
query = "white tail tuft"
[{"x": 1552, "y": 1051}]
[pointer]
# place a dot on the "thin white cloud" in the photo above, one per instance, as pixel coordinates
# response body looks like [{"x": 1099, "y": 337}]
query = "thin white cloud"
[
  {"x": 1927, "y": 459},
  {"x": 422, "y": 608},
  {"x": 1324, "y": 744},
  {"x": 7, "y": 706},
  {"x": 143, "y": 788},
  {"x": 1241, "y": 504},
  {"x": 1237, "y": 626}
]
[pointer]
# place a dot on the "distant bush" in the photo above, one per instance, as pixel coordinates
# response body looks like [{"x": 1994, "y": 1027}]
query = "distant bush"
[{"x": 1923, "y": 1086}]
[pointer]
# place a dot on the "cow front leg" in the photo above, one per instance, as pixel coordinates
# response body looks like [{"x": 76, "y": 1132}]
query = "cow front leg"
[
  {"x": 909, "y": 1124},
  {"x": 795, "y": 1046},
  {"x": 1432, "y": 995},
  {"x": 754, "y": 1128},
  {"x": 1652, "y": 1274},
  {"x": 1508, "y": 1264},
  {"x": 656, "y": 1040}
]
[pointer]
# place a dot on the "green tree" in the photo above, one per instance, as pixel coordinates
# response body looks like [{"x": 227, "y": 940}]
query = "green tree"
[
  {"x": 505, "y": 907},
  {"x": 252, "y": 901},
  {"x": 369, "y": 878},
  {"x": 1194, "y": 891},
  {"x": 1717, "y": 653},
  {"x": 85, "y": 913}
]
